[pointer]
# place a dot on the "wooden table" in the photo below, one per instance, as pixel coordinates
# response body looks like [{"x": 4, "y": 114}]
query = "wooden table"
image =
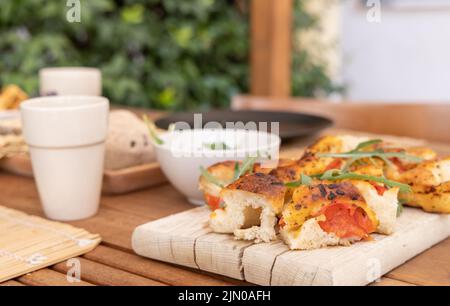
[{"x": 114, "y": 263}]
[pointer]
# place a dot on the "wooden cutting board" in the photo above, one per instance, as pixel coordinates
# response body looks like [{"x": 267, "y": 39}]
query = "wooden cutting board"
[{"x": 185, "y": 239}]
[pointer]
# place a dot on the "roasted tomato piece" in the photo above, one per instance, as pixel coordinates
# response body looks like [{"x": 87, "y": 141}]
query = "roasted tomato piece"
[
  {"x": 335, "y": 164},
  {"x": 282, "y": 223},
  {"x": 346, "y": 221},
  {"x": 380, "y": 189},
  {"x": 212, "y": 201},
  {"x": 400, "y": 166}
]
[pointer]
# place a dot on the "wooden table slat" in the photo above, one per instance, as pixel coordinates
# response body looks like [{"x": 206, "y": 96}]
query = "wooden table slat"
[
  {"x": 385, "y": 281},
  {"x": 431, "y": 268},
  {"x": 11, "y": 283},
  {"x": 152, "y": 269},
  {"x": 104, "y": 275},
  {"x": 47, "y": 277}
]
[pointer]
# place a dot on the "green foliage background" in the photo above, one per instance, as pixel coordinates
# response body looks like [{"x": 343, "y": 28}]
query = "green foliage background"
[{"x": 167, "y": 54}]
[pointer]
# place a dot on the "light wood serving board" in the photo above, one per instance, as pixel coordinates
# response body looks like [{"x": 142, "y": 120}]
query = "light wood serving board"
[{"x": 185, "y": 239}]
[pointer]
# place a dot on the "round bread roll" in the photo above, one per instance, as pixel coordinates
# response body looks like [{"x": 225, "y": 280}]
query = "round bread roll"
[{"x": 128, "y": 143}]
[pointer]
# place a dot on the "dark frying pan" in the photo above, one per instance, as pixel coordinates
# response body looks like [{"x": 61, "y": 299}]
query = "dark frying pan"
[{"x": 290, "y": 124}]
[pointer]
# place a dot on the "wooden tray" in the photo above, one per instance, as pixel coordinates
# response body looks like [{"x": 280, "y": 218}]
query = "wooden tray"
[
  {"x": 185, "y": 239},
  {"x": 114, "y": 182}
]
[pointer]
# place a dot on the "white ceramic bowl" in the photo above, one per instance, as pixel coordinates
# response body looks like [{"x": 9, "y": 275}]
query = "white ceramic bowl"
[{"x": 184, "y": 152}]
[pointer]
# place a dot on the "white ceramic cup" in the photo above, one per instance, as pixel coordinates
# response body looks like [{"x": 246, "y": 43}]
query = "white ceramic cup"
[
  {"x": 66, "y": 138},
  {"x": 62, "y": 81}
]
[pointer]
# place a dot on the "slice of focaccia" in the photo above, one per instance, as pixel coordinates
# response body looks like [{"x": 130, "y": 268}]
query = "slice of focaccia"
[
  {"x": 430, "y": 183},
  {"x": 310, "y": 163},
  {"x": 224, "y": 173},
  {"x": 427, "y": 175},
  {"x": 435, "y": 199},
  {"x": 252, "y": 204},
  {"x": 327, "y": 214}
]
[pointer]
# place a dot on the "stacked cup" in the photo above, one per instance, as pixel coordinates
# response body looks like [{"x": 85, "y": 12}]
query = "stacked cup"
[{"x": 66, "y": 137}]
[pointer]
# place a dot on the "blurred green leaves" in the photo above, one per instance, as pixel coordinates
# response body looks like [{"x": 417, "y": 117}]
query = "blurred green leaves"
[
  {"x": 133, "y": 13},
  {"x": 167, "y": 54}
]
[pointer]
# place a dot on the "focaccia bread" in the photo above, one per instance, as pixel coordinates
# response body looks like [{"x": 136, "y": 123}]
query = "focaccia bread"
[
  {"x": 327, "y": 214},
  {"x": 11, "y": 96},
  {"x": 224, "y": 172},
  {"x": 340, "y": 191},
  {"x": 252, "y": 204},
  {"x": 249, "y": 207},
  {"x": 127, "y": 143},
  {"x": 430, "y": 183}
]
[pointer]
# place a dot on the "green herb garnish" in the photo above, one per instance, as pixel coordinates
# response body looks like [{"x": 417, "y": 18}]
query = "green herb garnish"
[
  {"x": 378, "y": 179},
  {"x": 152, "y": 130},
  {"x": 377, "y": 153},
  {"x": 304, "y": 180},
  {"x": 356, "y": 154},
  {"x": 216, "y": 146},
  {"x": 367, "y": 143},
  {"x": 211, "y": 178},
  {"x": 399, "y": 207},
  {"x": 247, "y": 166},
  {"x": 336, "y": 175}
]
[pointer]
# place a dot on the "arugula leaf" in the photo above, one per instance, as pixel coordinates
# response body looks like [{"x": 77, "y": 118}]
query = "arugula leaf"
[
  {"x": 377, "y": 153},
  {"x": 329, "y": 174},
  {"x": 367, "y": 143},
  {"x": 356, "y": 154},
  {"x": 152, "y": 130},
  {"x": 337, "y": 175},
  {"x": 304, "y": 180},
  {"x": 211, "y": 178},
  {"x": 247, "y": 166},
  {"x": 365, "y": 177},
  {"x": 236, "y": 170},
  {"x": 399, "y": 208}
]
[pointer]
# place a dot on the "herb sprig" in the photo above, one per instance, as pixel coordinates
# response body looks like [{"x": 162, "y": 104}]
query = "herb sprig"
[
  {"x": 239, "y": 170},
  {"x": 400, "y": 207},
  {"x": 211, "y": 178},
  {"x": 216, "y": 146},
  {"x": 152, "y": 130},
  {"x": 337, "y": 175},
  {"x": 357, "y": 154},
  {"x": 304, "y": 180},
  {"x": 247, "y": 166}
]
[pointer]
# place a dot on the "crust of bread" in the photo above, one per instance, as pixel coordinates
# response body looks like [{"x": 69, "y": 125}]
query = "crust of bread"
[
  {"x": 264, "y": 185},
  {"x": 435, "y": 199},
  {"x": 223, "y": 171},
  {"x": 335, "y": 144},
  {"x": 428, "y": 173},
  {"x": 251, "y": 207},
  {"x": 384, "y": 206}
]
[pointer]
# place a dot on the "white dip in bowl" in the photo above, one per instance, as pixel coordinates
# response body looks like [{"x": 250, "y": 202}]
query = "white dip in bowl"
[{"x": 183, "y": 152}]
